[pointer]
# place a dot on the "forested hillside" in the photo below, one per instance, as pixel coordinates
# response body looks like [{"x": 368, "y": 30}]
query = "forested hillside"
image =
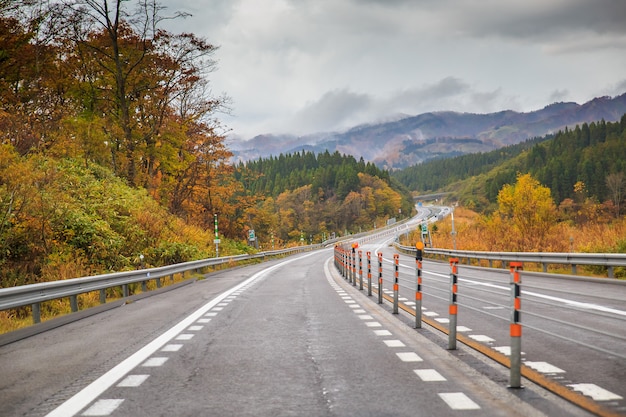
[
  {"x": 110, "y": 148},
  {"x": 587, "y": 162},
  {"x": 320, "y": 194}
]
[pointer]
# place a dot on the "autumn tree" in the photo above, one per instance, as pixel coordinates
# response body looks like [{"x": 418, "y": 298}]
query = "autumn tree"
[
  {"x": 616, "y": 184},
  {"x": 529, "y": 210},
  {"x": 31, "y": 88},
  {"x": 142, "y": 79}
]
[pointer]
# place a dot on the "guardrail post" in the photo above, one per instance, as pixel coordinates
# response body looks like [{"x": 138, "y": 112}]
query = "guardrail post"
[
  {"x": 515, "y": 380},
  {"x": 369, "y": 273},
  {"x": 158, "y": 282},
  {"x": 360, "y": 270},
  {"x": 396, "y": 287},
  {"x": 454, "y": 309},
  {"x": 103, "y": 296},
  {"x": 418, "y": 291},
  {"x": 73, "y": 303},
  {"x": 125, "y": 290},
  {"x": 144, "y": 287},
  {"x": 610, "y": 272},
  {"x": 574, "y": 269},
  {"x": 380, "y": 278},
  {"x": 36, "y": 313}
]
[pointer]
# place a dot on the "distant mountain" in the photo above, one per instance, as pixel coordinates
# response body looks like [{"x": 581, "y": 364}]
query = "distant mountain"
[{"x": 413, "y": 139}]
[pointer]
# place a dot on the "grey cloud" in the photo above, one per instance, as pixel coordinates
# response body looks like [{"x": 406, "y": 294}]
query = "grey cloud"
[
  {"x": 335, "y": 109},
  {"x": 532, "y": 20},
  {"x": 558, "y": 95}
]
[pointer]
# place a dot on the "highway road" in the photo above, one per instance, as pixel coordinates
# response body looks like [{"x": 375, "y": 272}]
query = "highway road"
[
  {"x": 283, "y": 338},
  {"x": 573, "y": 330}
]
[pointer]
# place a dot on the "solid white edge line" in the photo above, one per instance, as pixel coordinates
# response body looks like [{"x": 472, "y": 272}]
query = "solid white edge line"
[{"x": 92, "y": 391}]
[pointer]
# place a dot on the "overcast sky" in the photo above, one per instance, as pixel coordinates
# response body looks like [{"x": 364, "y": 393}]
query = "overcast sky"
[{"x": 302, "y": 66}]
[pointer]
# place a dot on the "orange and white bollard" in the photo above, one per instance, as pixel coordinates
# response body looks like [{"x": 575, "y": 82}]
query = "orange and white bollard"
[
  {"x": 454, "y": 308},
  {"x": 396, "y": 286},
  {"x": 380, "y": 278},
  {"x": 360, "y": 270},
  {"x": 369, "y": 273},
  {"x": 515, "y": 380},
  {"x": 419, "y": 246}
]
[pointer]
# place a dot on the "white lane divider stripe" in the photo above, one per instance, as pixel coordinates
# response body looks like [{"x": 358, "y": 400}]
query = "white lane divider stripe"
[
  {"x": 409, "y": 357},
  {"x": 366, "y": 317},
  {"x": 544, "y": 367},
  {"x": 103, "y": 407},
  {"x": 458, "y": 401},
  {"x": 429, "y": 375},
  {"x": 154, "y": 362},
  {"x": 373, "y": 324},
  {"x": 88, "y": 394},
  {"x": 382, "y": 332},
  {"x": 195, "y": 328},
  {"x": 595, "y": 392},
  {"x": 184, "y": 336},
  {"x": 394, "y": 343},
  {"x": 481, "y": 338},
  {"x": 133, "y": 381},
  {"x": 172, "y": 347}
]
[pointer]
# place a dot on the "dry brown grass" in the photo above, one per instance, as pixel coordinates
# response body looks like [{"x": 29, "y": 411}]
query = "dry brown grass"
[{"x": 475, "y": 232}]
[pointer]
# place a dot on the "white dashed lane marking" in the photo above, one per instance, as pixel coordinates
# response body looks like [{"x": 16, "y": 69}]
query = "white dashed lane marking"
[
  {"x": 103, "y": 407},
  {"x": 132, "y": 381},
  {"x": 394, "y": 343},
  {"x": 481, "y": 338},
  {"x": 544, "y": 367},
  {"x": 172, "y": 347},
  {"x": 154, "y": 362},
  {"x": 382, "y": 332},
  {"x": 429, "y": 375},
  {"x": 409, "y": 357},
  {"x": 595, "y": 392},
  {"x": 458, "y": 401},
  {"x": 184, "y": 336}
]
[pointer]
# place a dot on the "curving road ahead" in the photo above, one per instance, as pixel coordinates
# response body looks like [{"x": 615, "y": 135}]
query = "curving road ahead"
[{"x": 282, "y": 338}]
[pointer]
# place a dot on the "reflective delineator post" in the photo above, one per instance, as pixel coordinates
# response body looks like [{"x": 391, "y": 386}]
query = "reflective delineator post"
[
  {"x": 353, "y": 279},
  {"x": 453, "y": 310},
  {"x": 419, "y": 246},
  {"x": 515, "y": 380},
  {"x": 396, "y": 287},
  {"x": 380, "y": 278},
  {"x": 369, "y": 273},
  {"x": 360, "y": 270}
]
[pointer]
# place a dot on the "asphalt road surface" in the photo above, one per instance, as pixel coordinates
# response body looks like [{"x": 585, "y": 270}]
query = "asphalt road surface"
[{"x": 284, "y": 338}]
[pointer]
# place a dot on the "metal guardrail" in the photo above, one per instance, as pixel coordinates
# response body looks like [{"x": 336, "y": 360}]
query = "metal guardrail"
[
  {"x": 607, "y": 260},
  {"x": 34, "y": 294}
]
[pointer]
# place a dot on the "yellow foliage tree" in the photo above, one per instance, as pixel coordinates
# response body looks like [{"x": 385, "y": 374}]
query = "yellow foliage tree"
[{"x": 529, "y": 212}]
